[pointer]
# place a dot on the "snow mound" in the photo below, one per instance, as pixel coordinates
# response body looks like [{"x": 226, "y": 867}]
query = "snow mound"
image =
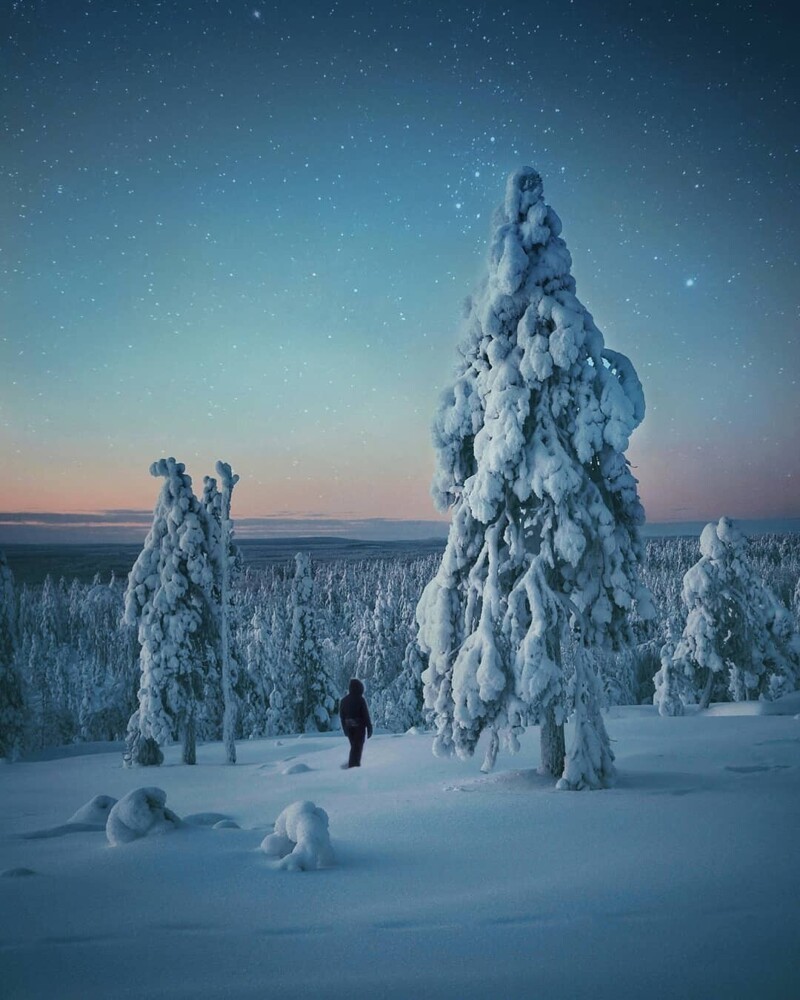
[
  {"x": 301, "y": 838},
  {"x": 17, "y": 872},
  {"x": 789, "y": 704},
  {"x": 94, "y": 812},
  {"x": 91, "y": 817},
  {"x": 226, "y": 824},
  {"x": 140, "y": 813},
  {"x": 505, "y": 781},
  {"x": 206, "y": 819},
  {"x": 735, "y": 708},
  {"x": 298, "y": 768}
]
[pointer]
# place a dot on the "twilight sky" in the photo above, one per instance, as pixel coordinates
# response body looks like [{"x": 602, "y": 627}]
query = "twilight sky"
[{"x": 245, "y": 231}]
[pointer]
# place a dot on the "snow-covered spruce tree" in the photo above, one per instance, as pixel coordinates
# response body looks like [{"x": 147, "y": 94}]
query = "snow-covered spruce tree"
[
  {"x": 669, "y": 681},
  {"x": 400, "y": 704},
  {"x": 253, "y": 688},
  {"x": 225, "y": 560},
  {"x": 530, "y": 443},
  {"x": 737, "y": 635},
  {"x": 12, "y": 706},
  {"x": 281, "y": 688},
  {"x": 168, "y": 596},
  {"x": 311, "y": 686}
]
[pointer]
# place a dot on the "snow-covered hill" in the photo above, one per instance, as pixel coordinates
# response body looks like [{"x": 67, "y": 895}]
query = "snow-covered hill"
[{"x": 680, "y": 882}]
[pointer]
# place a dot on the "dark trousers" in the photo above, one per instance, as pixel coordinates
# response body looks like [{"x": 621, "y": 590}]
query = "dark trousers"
[{"x": 356, "y": 735}]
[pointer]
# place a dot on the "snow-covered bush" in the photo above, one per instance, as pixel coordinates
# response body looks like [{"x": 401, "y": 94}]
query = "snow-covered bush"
[
  {"x": 738, "y": 640},
  {"x": 301, "y": 839},
  {"x": 141, "y": 813},
  {"x": 530, "y": 442}
]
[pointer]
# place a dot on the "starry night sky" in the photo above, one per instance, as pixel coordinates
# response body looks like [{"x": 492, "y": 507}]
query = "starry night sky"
[{"x": 246, "y": 230}]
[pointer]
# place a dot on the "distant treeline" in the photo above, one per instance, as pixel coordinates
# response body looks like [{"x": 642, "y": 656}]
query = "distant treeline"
[
  {"x": 33, "y": 563},
  {"x": 78, "y": 669}
]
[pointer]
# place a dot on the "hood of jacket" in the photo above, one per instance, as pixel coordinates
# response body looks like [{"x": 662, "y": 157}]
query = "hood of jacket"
[{"x": 356, "y": 687}]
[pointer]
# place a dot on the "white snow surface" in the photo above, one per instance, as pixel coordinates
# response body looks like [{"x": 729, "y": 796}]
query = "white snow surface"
[{"x": 681, "y": 881}]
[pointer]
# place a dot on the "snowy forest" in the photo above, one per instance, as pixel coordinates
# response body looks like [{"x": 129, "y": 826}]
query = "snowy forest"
[
  {"x": 543, "y": 607},
  {"x": 70, "y": 662}
]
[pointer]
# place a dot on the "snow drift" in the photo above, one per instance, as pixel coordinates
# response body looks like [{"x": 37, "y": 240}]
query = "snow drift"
[
  {"x": 301, "y": 839},
  {"x": 140, "y": 813}
]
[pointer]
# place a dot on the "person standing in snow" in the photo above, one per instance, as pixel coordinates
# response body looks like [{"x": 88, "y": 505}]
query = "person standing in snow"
[{"x": 356, "y": 723}]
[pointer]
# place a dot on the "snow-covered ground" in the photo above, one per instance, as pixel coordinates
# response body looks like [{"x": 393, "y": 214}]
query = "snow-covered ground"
[{"x": 680, "y": 882}]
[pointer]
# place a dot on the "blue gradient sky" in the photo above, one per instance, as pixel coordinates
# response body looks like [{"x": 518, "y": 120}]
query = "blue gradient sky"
[{"x": 245, "y": 231}]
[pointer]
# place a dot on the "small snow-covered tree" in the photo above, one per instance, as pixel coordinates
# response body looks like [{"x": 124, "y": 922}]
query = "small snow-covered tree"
[
  {"x": 12, "y": 706},
  {"x": 530, "y": 441},
  {"x": 737, "y": 634},
  {"x": 669, "y": 681},
  {"x": 224, "y": 560},
  {"x": 312, "y": 687},
  {"x": 168, "y": 598}
]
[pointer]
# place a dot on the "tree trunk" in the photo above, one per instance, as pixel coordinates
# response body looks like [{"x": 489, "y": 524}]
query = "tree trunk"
[
  {"x": 491, "y": 752},
  {"x": 228, "y": 697},
  {"x": 189, "y": 741},
  {"x": 705, "y": 698},
  {"x": 553, "y": 746}
]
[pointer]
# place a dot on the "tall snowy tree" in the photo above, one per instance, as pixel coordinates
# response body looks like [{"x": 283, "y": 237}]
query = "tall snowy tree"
[
  {"x": 168, "y": 596},
  {"x": 224, "y": 559},
  {"x": 737, "y": 635},
  {"x": 312, "y": 687},
  {"x": 530, "y": 443},
  {"x": 12, "y": 707}
]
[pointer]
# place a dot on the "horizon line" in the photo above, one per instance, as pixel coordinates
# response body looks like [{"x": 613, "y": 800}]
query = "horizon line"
[{"x": 126, "y": 526}]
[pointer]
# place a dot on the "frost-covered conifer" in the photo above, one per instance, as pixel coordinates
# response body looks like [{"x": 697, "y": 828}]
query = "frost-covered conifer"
[
  {"x": 669, "y": 681},
  {"x": 796, "y": 603},
  {"x": 224, "y": 560},
  {"x": 312, "y": 687},
  {"x": 12, "y": 707},
  {"x": 253, "y": 688},
  {"x": 45, "y": 665},
  {"x": 530, "y": 442},
  {"x": 400, "y": 705},
  {"x": 168, "y": 597},
  {"x": 736, "y": 630}
]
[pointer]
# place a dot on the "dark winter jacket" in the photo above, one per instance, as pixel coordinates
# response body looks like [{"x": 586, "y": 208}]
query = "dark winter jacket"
[{"x": 353, "y": 710}]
